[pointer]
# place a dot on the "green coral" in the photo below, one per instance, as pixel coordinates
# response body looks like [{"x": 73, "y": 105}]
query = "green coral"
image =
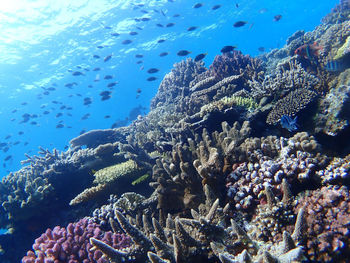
[
  {"x": 111, "y": 173},
  {"x": 226, "y": 102},
  {"x": 140, "y": 179}
]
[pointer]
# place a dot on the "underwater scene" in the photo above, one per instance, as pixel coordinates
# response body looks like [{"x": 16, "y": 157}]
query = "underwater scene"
[{"x": 175, "y": 131}]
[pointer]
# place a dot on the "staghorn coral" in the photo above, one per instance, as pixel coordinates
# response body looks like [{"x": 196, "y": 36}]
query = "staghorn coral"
[
  {"x": 290, "y": 105},
  {"x": 204, "y": 237},
  {"x": 327, "y": 213},
  {"x": 71, "y": 244}
]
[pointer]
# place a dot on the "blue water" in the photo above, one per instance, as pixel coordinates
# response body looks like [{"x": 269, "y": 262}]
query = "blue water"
[{"x": 42, "y": 41}]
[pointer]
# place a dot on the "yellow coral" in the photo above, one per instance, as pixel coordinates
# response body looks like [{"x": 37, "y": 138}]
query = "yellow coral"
[
  {"x": 111, "y": 173},
  {"x": 343, "y": 49}
]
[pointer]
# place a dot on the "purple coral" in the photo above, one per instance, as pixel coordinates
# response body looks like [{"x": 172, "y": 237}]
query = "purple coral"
[{"x": 71, "y": 244}]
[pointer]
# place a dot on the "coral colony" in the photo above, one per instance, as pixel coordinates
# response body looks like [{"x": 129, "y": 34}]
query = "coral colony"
[{"x": 208, "y": 175}]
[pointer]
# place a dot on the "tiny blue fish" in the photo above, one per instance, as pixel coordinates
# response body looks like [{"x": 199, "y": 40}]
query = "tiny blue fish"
[{"x": 289, "y": 123}]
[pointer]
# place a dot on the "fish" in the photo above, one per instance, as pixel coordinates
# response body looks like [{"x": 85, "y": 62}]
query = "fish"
[
  {"x": 198, "y": 5},
  {"x": 96, "y": 56},
  {"x": 138, "y": 91},
  {"x": 192, "y": 28},
  {"x": 200, "y": 57},
  {"x": 240, "y": 23},
  {"x": 108, "y": 77},
  {"x": 151, "y": 78},
  {"x": 163, "y": 13},
  {"x": 144, "y": 19},
  {"x": 334, "y": 66},
  {"x": 159, "y": 25},
  {"x": 115, "y": 34},
  {"x": 215, "y": 7},
  {"x": 169, "y": 25},
  {"x": 59, "y": 114},
  {"x": 59, "y": 126},
  {"x": 105, "y": 97},
  {"x": 183, "y": 53},
  {"x": 15, "y": 110},
  {"x": 163, "y": 54},
  {"x": 289, "y": 123},
  {"x": 161, "y": 41},
  {"x": 20, "y": 133},
  {"x": 78, "y": 73},
  {"x": 261, "y": 49},
  {"x": 308, "y": 51},
  {"x": 107, "y": 58},
  {"x": 139, "y": 62},
  {"x": 133, "y": 33},
  {"x": 46, "y": 112},
  {"x": 237, "y": 5},
  {"x": 107, "y": 27},
  {"x": 8, "y": 157},
  {"x": 277, "y": 18},
  {"x": 96, "y": 69},
  {"x": 138, "y": 56},
  {"x": 176, "y": 15},
  {"x": 100, "y": 47},
  {"x": 112, "y": 84},
  {"x": 227, "y": 49},
  {"x": 107, "y": 116},
  {"x": 105, "y": 93},
  {"x": 86, "y": 116},
  {"x": 152, "y": 70},
  {"x": 126, "y": 42}
]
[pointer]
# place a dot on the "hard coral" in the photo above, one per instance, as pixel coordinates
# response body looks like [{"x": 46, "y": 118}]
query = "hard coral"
[
  {"x": 71, "y": 244},
  {"x": 327, "y": 212}
]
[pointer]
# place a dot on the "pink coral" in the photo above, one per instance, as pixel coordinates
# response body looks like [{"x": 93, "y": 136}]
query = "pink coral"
[
  {"x": 71, "y": 244},
  {"x": 327, "y": 216}
]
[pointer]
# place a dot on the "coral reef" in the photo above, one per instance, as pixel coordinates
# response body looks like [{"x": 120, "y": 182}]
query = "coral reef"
[{"x": 71, "y": 244}]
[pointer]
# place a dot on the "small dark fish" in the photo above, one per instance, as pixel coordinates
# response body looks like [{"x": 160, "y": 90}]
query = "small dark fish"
[
  {"x": 152, "y": 70},
  {"x": 192, "y": 28},
  {"x": 183, "y": 53},
  {"x": 139, "y": 28},
  {"x": 176, "y": 15},
  {"x": 237, "y": 5},
  {"x": 105, "y": 93},
  {"x": 139, "y": 62},
  {"x": 163, "y": 54},
  {"x": 51, "y": 89},
  {"x": 144, "y": 19},
  {"x": 88, "y": 102},
  {"x": 261, "y": 49},
  {"x": 46, "y": 93},
  {"x": 138, "y": 56},
  {"x": 144, "y": 11},
  {"x": 151, "y": 78},
  {"x": 169, "y": 25},
  {"x": 15, "y": 110},
  {"x": 107, "y": 27},
  {"x": 16, "y": 142},
  {"x": 8, "y": 157},
  {"x": 133, "y": 33},
  {"x": 107, "y": 116},
  {"x": 215, "y": 7},
  {"x": 277, "y": 18},
  {"x": 161, "y": 40},
  {"x": 289, "y": 123},
  {"x": 33, "y": 123},
  {"x": 46, "y": 112},
  {"x": 24, "y": 103},
  {"x": 240, "y": 23},
  {"x": 96, "y": 69},
  {"x": 8, "y": 137},
  {"x": 126, "y": 42},
  {"x": 96, "y": 56},
  {"x": 20, "y": 133},
  {"x": 112, "y": 84},
  {"x": 115, "y": 34},
  {"x": 227, "y": 49},
  {"x": 59, "y": 126},
  {"x": 159, "y": 25},
  {"x": 138, "y": 91},
  {"x": 108, "y": 77},
  {"x": 200, "y": 57},
  {"x": 107, "y": 58},
  {"x": 59, "y": 114},
  {"x": 77, "y": 73},
  {"x": 198, "y": 5},
  {"x": 86, "y": 116},
  {"x": 105, "y": 97},
  {"x": 3, "y": 144},
  {"x": 99, "y": 47}
]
